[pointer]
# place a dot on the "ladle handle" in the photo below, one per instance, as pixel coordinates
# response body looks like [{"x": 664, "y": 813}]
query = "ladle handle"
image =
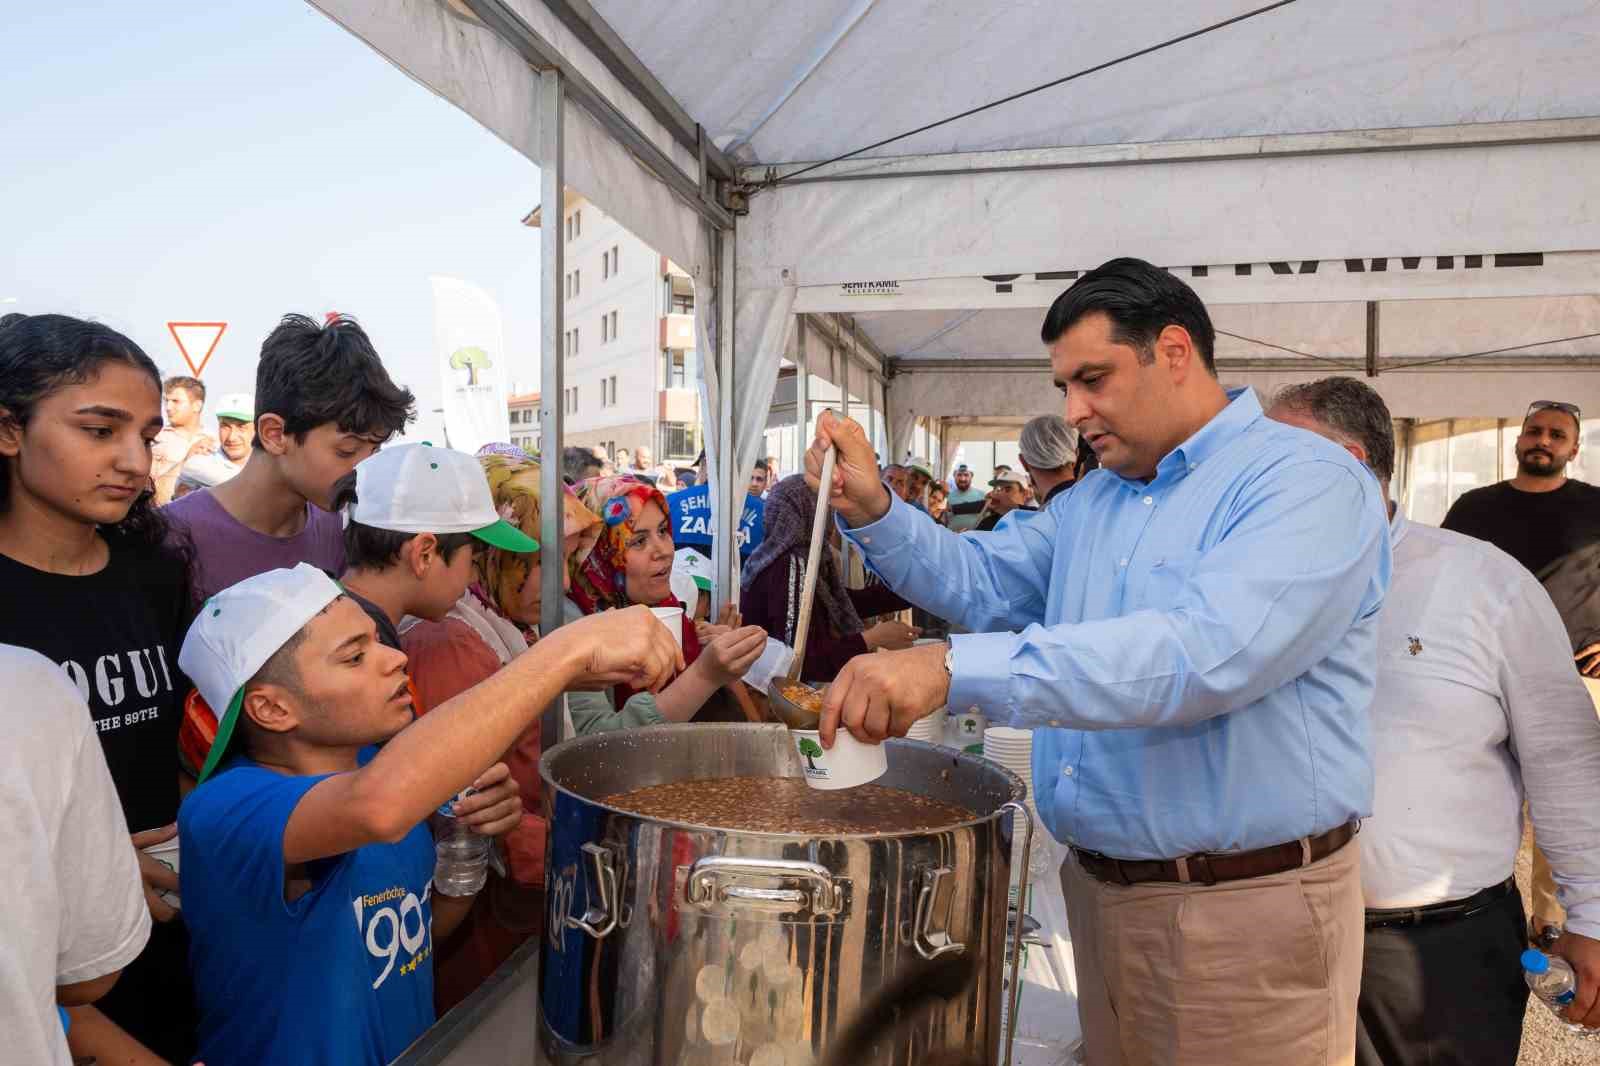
[{"x": 808, "y": 592}]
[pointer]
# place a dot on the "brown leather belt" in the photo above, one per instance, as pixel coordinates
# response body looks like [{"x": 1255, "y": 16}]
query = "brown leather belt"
[{"x": 1216, "y": 867}]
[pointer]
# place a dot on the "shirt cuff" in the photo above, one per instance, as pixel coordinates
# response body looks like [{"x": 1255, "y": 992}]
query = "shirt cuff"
[
  {"x": 890, "y": 533},
  {"x": 980, "y": 674}
]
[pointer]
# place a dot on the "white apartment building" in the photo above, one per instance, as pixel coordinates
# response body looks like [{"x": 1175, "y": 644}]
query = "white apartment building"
[
  {"x": 629, "y": 341},
  {"x": 524, "y": 417}
]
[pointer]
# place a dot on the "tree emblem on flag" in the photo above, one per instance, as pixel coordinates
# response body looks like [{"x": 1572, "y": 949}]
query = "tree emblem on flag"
[{"x": 471, "y": 360}]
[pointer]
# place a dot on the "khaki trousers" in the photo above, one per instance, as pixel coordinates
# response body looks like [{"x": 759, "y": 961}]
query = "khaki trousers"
[{"x": 1263, "y": 972}]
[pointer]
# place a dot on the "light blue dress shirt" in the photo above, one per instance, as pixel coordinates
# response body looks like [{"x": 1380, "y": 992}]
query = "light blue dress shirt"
[{"x": 1196, "y": 653}]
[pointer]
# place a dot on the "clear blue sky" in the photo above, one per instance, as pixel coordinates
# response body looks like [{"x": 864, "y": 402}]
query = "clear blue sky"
[{"x": 235, "y": 161}]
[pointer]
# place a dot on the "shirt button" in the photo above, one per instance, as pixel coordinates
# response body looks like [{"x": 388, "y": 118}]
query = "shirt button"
[
  {"x": 1122, "y": 562},
  {"x": 866, "y": 540},
  {"x": 1066, "y": 771},
  {"x": 1149, "y": 501}
]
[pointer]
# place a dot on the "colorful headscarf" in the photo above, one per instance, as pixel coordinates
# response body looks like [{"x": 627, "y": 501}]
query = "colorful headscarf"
[
  {"x": 514, "y": 484},
  {"x": 599, "y": 581}
]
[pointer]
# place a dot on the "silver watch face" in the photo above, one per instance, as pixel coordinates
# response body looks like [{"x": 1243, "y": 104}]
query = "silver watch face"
[{"x": 950, "y": 661}]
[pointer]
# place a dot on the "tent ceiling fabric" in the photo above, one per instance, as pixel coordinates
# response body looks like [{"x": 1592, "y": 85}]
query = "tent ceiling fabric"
[{"x": 787, "y": 82}]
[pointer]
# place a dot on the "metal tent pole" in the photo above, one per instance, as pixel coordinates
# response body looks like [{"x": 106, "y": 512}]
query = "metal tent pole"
[
  {"x": 731, "y": 489},
  {"x": 551, "y": 374}
]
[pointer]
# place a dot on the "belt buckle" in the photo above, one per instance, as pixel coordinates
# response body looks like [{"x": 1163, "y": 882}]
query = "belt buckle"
[{"x": 1200, "y": 863}]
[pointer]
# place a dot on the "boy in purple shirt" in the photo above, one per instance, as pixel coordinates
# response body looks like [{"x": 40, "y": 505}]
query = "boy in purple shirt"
[{"x": 324, "y": 402}]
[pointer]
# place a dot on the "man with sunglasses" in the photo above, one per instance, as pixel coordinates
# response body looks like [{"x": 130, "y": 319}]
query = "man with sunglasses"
[
  {"x": 1541, "y": 514},
  {"x": 1540, "y": 518}
]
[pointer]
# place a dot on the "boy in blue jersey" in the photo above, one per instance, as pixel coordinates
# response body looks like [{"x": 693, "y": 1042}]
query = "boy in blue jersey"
[{"x": 308, "y": 864}]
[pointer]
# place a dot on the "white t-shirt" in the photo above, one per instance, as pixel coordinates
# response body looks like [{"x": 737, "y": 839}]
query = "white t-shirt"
[
  {"x": 1478, "y": 703},
  {"x": 74, "y": 904}
]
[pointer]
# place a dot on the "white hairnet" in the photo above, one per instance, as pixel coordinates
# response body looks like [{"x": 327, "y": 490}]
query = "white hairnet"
[{"x": 1048, "y": 443}]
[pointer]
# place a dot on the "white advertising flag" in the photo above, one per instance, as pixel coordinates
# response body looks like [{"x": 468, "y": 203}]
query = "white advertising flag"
[{"x": 470, "y": 347}]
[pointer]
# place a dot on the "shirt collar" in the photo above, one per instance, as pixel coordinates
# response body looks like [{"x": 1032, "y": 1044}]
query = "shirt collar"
[
  {"x": 1399, "y": 526},
  {"x": 1242, "y": 410}
]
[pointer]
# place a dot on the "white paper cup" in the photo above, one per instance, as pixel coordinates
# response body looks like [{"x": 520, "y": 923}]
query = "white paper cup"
[
  {"x": 847, "y": 764},
  {"x": 929, "y": 730},
  {"x": 966, "y": 732},
  {"x": 672, "y": 618},
  {"x": 167, "y": 855}
]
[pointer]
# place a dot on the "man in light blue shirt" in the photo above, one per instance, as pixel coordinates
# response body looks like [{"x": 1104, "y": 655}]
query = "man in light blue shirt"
[{"x": 1190, "y": 632}]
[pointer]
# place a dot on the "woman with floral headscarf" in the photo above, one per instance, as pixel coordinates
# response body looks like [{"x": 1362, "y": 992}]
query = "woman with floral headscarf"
[
  {"x": 632, "y": 563},
  {"x": 493, "y": 623}
]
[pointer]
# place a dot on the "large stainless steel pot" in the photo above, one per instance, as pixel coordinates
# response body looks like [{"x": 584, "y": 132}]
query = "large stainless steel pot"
[{"x": 675, "y": 944}]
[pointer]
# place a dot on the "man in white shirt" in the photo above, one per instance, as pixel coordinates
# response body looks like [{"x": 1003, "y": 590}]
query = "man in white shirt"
[
  {"x": 75, "y": 906},
  {"x": 1476, "y": 706},
  {"x": 184, "y": 399}
]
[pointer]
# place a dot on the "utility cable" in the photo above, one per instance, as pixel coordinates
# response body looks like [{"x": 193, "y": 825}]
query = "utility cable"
[{"x": 1036, "y": 89}]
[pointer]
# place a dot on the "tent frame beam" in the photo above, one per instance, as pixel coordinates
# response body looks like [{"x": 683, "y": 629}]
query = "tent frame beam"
[
  {"x": 1338, "y": 142},
  {"x": 1387, "y": 364},
  {"x": 511, "y": 28},
  {"x": 589, "y": 27}
]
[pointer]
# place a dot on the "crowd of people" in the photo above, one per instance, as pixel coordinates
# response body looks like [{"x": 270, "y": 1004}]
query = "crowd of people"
[{"x": 252, "y": 673}]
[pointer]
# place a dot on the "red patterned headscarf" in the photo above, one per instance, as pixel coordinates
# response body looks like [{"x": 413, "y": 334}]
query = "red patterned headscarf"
[{"x": 599, "y": 582}]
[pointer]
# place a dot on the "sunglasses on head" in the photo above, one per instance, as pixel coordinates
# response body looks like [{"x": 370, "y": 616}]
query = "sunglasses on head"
[{"x": 1554, "y": 405}]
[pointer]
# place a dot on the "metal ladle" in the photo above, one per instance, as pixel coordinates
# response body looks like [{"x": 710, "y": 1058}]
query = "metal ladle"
[{"x": 789, "y": 712}]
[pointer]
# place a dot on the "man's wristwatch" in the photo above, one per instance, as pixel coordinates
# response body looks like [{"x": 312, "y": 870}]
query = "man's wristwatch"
[{"x": 949, "y": 661}]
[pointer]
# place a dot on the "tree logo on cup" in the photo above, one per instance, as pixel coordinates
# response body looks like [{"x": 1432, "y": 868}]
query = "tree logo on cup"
[{"x": 811, "y": 751}]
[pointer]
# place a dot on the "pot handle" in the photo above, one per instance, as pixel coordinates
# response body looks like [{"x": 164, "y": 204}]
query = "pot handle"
[
  {"x": 1015, "y": 991},
  {"x": 933, "y": 898},
  {"x": 601, "y": 918},
  {"x": 704, "y": 883}
]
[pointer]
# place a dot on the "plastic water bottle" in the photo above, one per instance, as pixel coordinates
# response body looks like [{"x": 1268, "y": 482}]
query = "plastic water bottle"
[
  {"x": 1551, "y": 979},
  {"x": 461, "y": 856}
]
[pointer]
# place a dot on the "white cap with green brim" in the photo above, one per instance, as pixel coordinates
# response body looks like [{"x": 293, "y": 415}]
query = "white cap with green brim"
[
  {"x": 238, "y": 406},
  {"x": 418, "y": 488},
  {"x": 238, "y": 630},
  {"x": 921, "y": 466}
]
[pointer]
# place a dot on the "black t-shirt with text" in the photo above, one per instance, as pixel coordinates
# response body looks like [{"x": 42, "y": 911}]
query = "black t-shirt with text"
[
  {"x": 1534, "y": 528},
  {"x": 116, "y": 633}
]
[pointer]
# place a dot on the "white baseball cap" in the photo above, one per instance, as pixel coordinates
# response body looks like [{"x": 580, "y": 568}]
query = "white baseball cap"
[
  {"x": 691, "y": 575},
  {"x": 238, "y": 630},
  {"x": 239, "y": 406},
  {"x": 921, "y": 466},
  {"x": 417, "y": 488},
  {"x": 1010, "y": 477}
]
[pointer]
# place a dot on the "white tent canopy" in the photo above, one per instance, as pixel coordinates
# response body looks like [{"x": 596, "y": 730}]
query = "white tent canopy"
[{"x": 1352, "y": 187}]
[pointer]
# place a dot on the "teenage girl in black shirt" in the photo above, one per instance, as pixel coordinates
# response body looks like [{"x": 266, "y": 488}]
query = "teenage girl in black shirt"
[{"x": 92, "y": 581}]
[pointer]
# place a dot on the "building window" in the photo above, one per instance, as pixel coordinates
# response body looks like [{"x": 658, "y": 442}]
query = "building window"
[
  {"x": 683, "y": 304},
  {"x": 577, "y": 282},
  {"x": 605, "y": 323},
  {"x": 605, "y": 265},
  {"x": 678, "y": 368},
  {"x": 613, "y": 390},
  {"x": 613, "y": 325},
  {"x": 679, "y": 440},
  {"x": 577, "y": 217},
  {"x": 614, "y": 266}
]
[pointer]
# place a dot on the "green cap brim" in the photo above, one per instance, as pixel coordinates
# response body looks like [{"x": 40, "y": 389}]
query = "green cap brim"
[
  {"x": 225, "y": 727},
  {"x": 235, "y": 416},
  {"x": 507, "y": 537},
  {"x": 702, "y": 583}
]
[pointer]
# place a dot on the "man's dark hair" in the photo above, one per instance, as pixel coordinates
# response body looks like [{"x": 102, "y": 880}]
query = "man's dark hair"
[
  {"x": 193, "y": 386},
  {"x": 763, "y": 466},
  {"x": 1352, "y": 409},
  {"x": 311, "y": 375},
  {"x": 1141, "y": 300},
  {"x": 579, "y": 464},
  {"x": 369, "y": 548}
]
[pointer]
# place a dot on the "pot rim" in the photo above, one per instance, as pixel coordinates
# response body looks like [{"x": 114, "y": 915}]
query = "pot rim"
[{"x": 1018, "y": 789}]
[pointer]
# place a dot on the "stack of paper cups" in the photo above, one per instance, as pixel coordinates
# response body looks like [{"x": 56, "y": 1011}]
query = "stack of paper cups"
[
  {"x": 1013, "y": 749},
  {"x": 929, "y": 730}
]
